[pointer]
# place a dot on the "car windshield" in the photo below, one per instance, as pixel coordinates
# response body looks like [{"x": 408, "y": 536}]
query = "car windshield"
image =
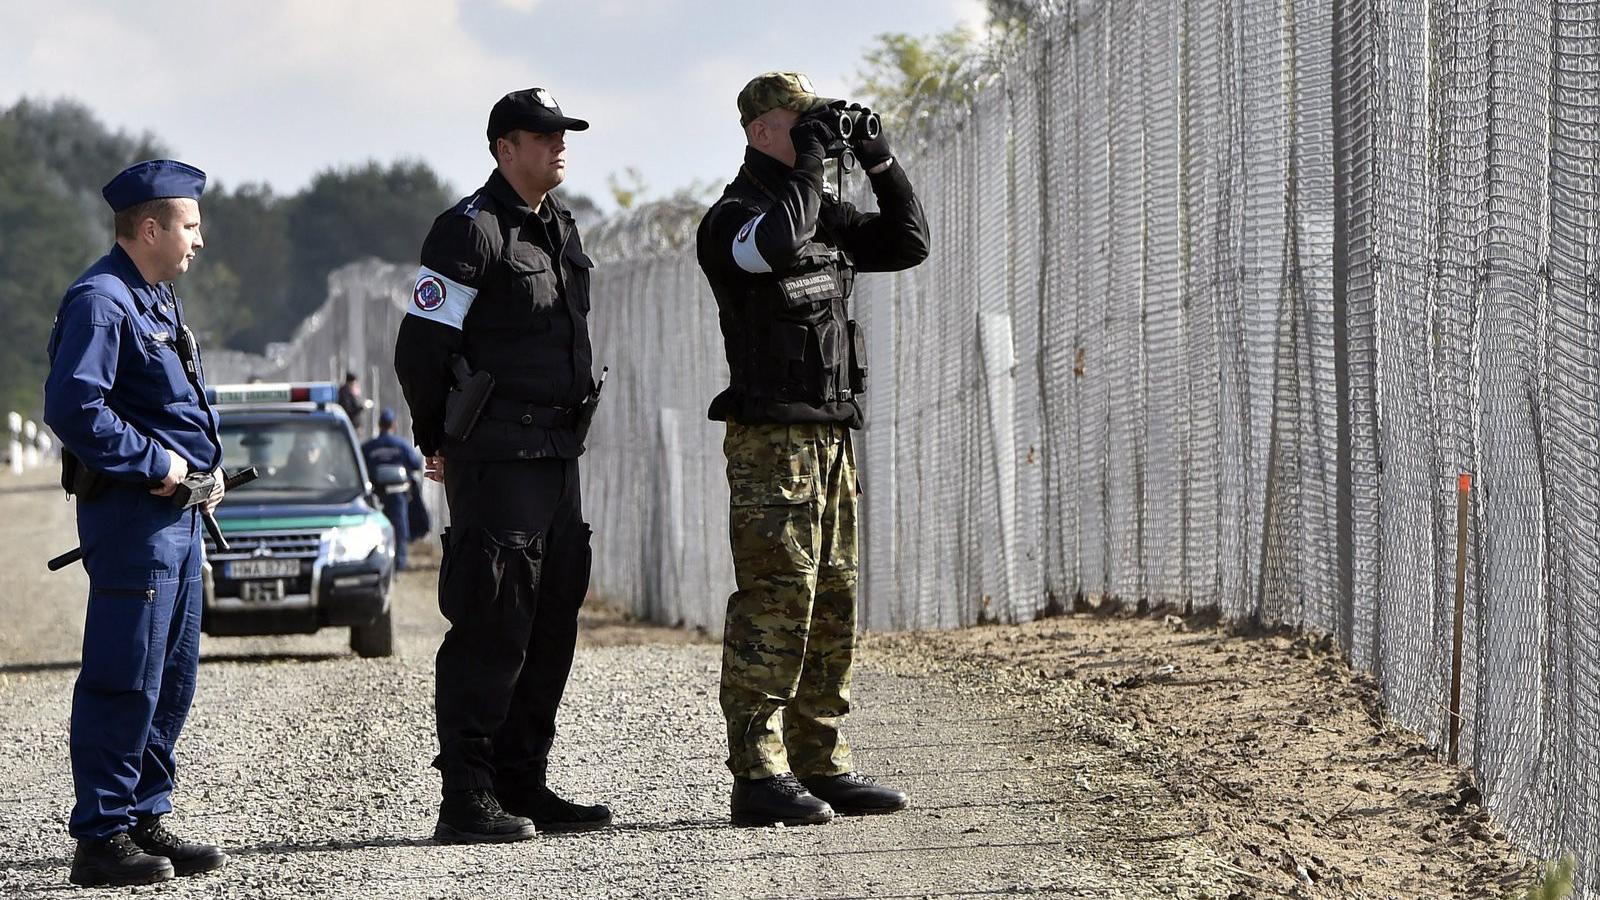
[{"x": 302, "y": 460}]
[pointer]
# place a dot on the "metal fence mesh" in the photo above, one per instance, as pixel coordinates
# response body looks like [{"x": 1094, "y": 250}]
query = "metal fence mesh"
[{"x": 1225, "y": 295}]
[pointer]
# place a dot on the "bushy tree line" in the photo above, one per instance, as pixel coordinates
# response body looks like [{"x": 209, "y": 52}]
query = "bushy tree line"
[{"x": 267, "y": 255}]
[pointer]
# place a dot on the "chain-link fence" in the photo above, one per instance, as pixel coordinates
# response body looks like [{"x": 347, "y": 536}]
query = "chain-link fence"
[{"x": 1224, "y": 298}]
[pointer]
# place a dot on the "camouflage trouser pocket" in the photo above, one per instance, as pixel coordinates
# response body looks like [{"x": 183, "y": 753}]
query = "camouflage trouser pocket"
[{"x": 774, "y": 524}]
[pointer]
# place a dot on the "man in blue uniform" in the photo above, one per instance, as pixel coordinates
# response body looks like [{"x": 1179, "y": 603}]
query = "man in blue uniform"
[
  {"x": 125, "y": 397},
  {"x": 387, "y": 449}
]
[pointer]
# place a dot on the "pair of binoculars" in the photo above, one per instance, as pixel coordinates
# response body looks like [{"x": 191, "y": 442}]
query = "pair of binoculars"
[
  {"x": 851, "y": 124},
  {"x": 848, "y": 126}
]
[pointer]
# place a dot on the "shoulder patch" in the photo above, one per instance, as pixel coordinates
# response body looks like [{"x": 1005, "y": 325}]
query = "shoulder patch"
[{"x": 469, "y": 206}]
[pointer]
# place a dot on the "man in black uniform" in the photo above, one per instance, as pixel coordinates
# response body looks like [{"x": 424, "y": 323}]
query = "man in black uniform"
[
  {"x": 503, "y": 294},
  {"x": 781, "y": 256}
]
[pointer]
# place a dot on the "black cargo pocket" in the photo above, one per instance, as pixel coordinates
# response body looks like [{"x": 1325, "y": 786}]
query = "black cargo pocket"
[
  {"x": 486, "y": 569},
  {"x": 578, "y": 268},
  {"x": 584, "y": 570},
  {"x": 117, "y": 635},
  {"x": 532, "y": 281},
  {"x": 858, "y": 358}
]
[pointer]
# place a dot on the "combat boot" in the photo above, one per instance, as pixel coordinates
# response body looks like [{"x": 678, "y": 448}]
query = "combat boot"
[
  {"x": 550, "y": 812},
  {"x": 475, "y": 817},
  {"x": 157, "y": 839},
  {"x": 781, "y": 798},
  {"x": 853, "y": 794},
  {"x": 116, "y": 862}
]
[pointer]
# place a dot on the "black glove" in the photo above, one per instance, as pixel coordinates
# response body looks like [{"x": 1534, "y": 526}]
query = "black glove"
[
  {"x": 810, "y": 137},
  {"x": 870, "y": 152}
]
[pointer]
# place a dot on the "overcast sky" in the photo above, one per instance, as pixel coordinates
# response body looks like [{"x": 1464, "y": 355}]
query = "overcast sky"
[{"x": 276, "y": 90}]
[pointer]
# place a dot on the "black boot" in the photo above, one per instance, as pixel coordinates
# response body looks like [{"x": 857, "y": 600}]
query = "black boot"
[
  {"x": 475, "y": 817},
  {"x": 781, "y": 798},
  {"x": 156, "y": 839},
  {"x": 853, "y": 794},
  {"x": 550, "y": 812},
  {"x": 116, "y": 862}
]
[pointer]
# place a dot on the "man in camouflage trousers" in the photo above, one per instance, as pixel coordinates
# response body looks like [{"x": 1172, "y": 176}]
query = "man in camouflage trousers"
[{"x": 781, "y": 256}]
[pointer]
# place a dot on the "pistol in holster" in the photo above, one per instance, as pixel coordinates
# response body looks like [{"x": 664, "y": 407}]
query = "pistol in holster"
[{"x": 465, "y": 402}]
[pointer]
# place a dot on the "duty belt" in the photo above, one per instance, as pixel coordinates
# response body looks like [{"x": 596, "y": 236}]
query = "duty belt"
[{"x": 503, "y": 410}]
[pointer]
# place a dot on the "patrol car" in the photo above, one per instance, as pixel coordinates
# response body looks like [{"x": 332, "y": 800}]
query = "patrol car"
[{"x": 308, "y": 546}]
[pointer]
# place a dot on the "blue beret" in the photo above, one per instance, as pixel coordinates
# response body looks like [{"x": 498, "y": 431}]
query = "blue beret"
[
  {"x": 386, "y": 416},
  {"x": 153, "y": 180}
]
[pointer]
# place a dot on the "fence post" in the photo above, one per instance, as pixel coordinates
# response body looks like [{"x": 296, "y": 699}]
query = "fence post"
[
  {"x": 15, "y": 420},
  {"x": 1463, "y": 488}
]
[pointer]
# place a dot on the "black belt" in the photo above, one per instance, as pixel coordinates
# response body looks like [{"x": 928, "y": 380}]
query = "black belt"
[{"x": 503, "y": 410}]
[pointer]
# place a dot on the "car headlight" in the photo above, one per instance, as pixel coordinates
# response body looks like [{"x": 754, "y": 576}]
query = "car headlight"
[{"x": 353, "y": 543}]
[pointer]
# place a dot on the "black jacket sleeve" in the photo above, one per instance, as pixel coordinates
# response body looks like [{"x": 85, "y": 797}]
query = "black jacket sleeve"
[
  {"x": 458, "y": 249},
  {"x": 892, "y": 239},
  {"x": 783, "y": 227}
]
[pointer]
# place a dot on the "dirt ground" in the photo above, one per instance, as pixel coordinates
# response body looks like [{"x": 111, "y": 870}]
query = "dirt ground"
[
  {"x": 1280, "y": 754},
  {"x": 1084, "y": 756}
]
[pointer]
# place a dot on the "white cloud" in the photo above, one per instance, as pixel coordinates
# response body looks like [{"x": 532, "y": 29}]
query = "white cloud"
[{"x": 277, "y": 91}]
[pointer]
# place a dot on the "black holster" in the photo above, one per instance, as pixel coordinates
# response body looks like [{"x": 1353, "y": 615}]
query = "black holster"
[
  {"x": 80, "y": 481},
  {"x": 465, "y": 402}
]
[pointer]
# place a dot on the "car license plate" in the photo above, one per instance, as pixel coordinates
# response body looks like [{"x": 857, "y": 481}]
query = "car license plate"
[
  {"x": 261, "y": 591},
  {"x": 263, "y": 568}
]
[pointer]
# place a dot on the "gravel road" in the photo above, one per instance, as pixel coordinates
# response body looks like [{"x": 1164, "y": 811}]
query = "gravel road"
[{"x": 311, "y": 767}]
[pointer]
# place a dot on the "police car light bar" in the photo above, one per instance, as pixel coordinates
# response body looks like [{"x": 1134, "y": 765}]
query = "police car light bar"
[{"x": 285, "y": 392}]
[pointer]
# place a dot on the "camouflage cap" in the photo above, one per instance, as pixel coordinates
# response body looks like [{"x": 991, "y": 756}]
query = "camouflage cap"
[{"x": 778, "y": 90}]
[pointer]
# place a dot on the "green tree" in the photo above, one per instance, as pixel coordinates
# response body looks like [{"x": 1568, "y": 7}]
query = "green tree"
[
  {"x": 43, "y": 247},
  {"x": 905, "y": 77},
  {"x": 628, "y": 188},
  {"x": 243, "y": 271},
  {"x": 81, "y": 154},
  {"x": 342, "y": 216}
]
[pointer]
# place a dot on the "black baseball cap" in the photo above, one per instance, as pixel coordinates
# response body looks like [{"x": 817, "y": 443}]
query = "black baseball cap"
[{"x": 531, "y": 110}]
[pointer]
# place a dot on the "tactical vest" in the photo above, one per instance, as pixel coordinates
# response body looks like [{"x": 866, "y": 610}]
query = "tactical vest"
[{"x": 789, "y": 335}]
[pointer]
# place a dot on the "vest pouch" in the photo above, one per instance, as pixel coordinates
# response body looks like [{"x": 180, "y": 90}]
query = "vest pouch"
[
  {"x": 858, "y": 358},
  {"x": 789, "y": 352}
]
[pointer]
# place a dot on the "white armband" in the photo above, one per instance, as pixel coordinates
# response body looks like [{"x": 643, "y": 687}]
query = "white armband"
[
  {"x": 440, "y": 299},
  {"x": 744, "y": 248}
]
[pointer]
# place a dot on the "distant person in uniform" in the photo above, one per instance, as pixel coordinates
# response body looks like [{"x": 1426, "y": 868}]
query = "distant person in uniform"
[
  {"x": 125, "y": 395},
  {"x": 388, "y": 449},
  {"x": 351, "y": 400},
  {"x": 781, "y": 255},
  {"x": 504, "y": 289}
]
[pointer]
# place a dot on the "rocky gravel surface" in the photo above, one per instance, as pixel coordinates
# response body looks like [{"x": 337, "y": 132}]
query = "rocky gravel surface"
[
  {"x": 310, "y": 766},
  {"x": 1041, "y": 760}
]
